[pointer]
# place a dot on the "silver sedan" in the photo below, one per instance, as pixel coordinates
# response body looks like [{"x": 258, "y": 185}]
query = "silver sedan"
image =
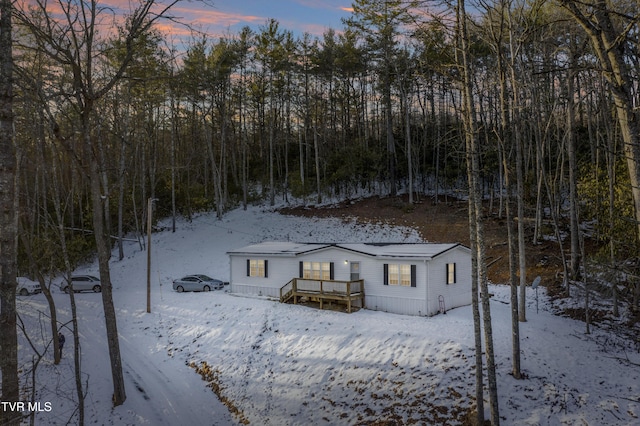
[
  {"x": 82, "y": 283},
  {"x": 197, "y": 283}
]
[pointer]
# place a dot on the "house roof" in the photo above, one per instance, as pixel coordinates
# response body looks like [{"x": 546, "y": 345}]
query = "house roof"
[
  {"x": 382, "y": 250},
  {"x": 283, "y": 248}
]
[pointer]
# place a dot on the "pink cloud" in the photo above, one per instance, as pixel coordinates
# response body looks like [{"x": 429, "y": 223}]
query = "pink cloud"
[
  {"x": 328, "y": 5},
  {"x": 212, "y": 17}
]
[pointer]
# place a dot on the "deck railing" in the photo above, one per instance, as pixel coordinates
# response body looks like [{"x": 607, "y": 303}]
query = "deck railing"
[{"x": 322, "y": 290}]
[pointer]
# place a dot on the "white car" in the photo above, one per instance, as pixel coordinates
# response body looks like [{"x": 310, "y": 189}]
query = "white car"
[
  {"x": 27, "y": 286},
  {"x": 197, "y": 282},
  {"x": 82, "y": 283}
]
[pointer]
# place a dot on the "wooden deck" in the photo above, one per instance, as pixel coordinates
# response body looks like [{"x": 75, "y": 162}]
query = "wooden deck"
[{"x": 324, "y": 290}]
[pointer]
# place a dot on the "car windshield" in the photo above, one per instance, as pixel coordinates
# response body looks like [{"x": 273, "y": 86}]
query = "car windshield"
[{"x": 204, "y": 278}]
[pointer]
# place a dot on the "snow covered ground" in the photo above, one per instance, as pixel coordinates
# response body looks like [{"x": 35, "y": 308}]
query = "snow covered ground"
[{"x": 274, "y": 364}]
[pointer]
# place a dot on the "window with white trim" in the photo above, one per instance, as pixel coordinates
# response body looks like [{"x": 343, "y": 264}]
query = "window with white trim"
[
  {"x": 400, "y": 274},
  {"x": 316, "y": 270},
  {"x": 451, "y": 273},
  {"x": 257, "y": 268}
]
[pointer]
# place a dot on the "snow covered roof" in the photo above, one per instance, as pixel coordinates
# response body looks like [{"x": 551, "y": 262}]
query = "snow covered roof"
[
  {"x": 421, "y": 250},
  {"x": 386, "y": 250},
  {"x": 284, "y": 248}
]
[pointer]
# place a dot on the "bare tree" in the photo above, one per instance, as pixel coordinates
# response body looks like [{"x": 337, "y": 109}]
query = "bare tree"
[
  {"x": 8, "y": 223},
  {"x": 71, "y": 39},
  {"x": 610, "y": 33},
  {"x": 500, "y": 32},
  {"x": 476, "y": 225}
]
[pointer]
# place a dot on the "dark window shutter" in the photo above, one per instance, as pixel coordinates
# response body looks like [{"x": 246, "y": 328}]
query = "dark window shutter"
[
  {"x": 386, "y": 274},
  {"x": 446, "y": 273},
  {"x": 301, "y": 270},
  {"x": 266, "y": 268},
  {"x": 454, "y": 273},
  {"x": 248, "y": 267},
  {"x": 331, "y": 271},
  {"x": 413, "y": 276}
]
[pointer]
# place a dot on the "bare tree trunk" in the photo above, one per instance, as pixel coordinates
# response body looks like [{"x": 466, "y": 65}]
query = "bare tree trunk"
[
  {"x": 316, "y": 150},
  {"x": 242, "y": 56},
  {"x": 104, "y": 254},
  {"x": 301, "y": 142},
  {"x": 57, "y": 197},
  {"x": 476, "y": 221},
  {"x": 513, "y": 278},
  {"x": 215, "y": 170},
  {"x": 121, "y": 175},
  {"x": 391, "y": 144},
  {"x": 608, "y": 37},
  {"x": 173, "y": 157},
  {"x": 76, "y": 355},
  {"x": 573, "y": 185},
  {"x": 272, "y": 183},
  {"x": 610, "y": 158},
  {"x": 477, "y": 319},
  {"x": 506, "y": 132},
  {"x": 587, "y": 292},
  {"x": 522, "y": 259},
  {"x": 409, "y": 153},
  {"x": 46, "y": 290},
  {"x": 539, "y": 137},
  {"x": 8, "y": 224}
]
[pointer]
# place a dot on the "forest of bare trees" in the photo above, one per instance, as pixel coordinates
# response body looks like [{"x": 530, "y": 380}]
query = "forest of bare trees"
[{"x": 531, "y": 105}]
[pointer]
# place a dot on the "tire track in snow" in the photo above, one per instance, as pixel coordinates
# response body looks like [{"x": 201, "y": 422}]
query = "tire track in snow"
[
  {"x": 272, "y": 327},
  {"x": 165, "y": 394},
  {"x": 261, "y": 348}
]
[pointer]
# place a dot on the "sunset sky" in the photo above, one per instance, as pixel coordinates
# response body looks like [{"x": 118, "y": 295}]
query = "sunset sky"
[{"x": 217, "y": 17}]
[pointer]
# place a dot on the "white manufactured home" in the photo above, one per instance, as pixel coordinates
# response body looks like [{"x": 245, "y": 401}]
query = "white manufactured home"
[{"x": 412, "y": 279}]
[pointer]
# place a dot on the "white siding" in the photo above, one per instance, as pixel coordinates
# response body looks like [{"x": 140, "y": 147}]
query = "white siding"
[
  {"x": 280, "y": 270},
  {"x": 341, "y": 261},
  {"x": 388, "y": 298},
  {"x": 455, "y": 295},
  {"x": 398, "y": 299},
  {"x": 396, "y": 305},
  {"x": 419, "y": 300}
]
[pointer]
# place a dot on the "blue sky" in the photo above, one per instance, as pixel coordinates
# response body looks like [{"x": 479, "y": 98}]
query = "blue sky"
[{"x": 217, "y": 17}]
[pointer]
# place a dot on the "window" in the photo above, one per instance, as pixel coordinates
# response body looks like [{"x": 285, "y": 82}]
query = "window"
[
  {"x": 451, "y": 273},
  {"x": 257, "y": 268},
  {"x": 316, "y": 270},
  {"x": 402, "y": 274},
  {"x": 355, "y": 271}
]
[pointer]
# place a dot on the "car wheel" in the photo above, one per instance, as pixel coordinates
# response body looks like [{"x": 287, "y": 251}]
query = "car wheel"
[
  {"x": 179, "y": 289},
  {"x": 24, "y": 292},
  {"x": 97, "y": 289},
  {"x": 206, "y": 288}
]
